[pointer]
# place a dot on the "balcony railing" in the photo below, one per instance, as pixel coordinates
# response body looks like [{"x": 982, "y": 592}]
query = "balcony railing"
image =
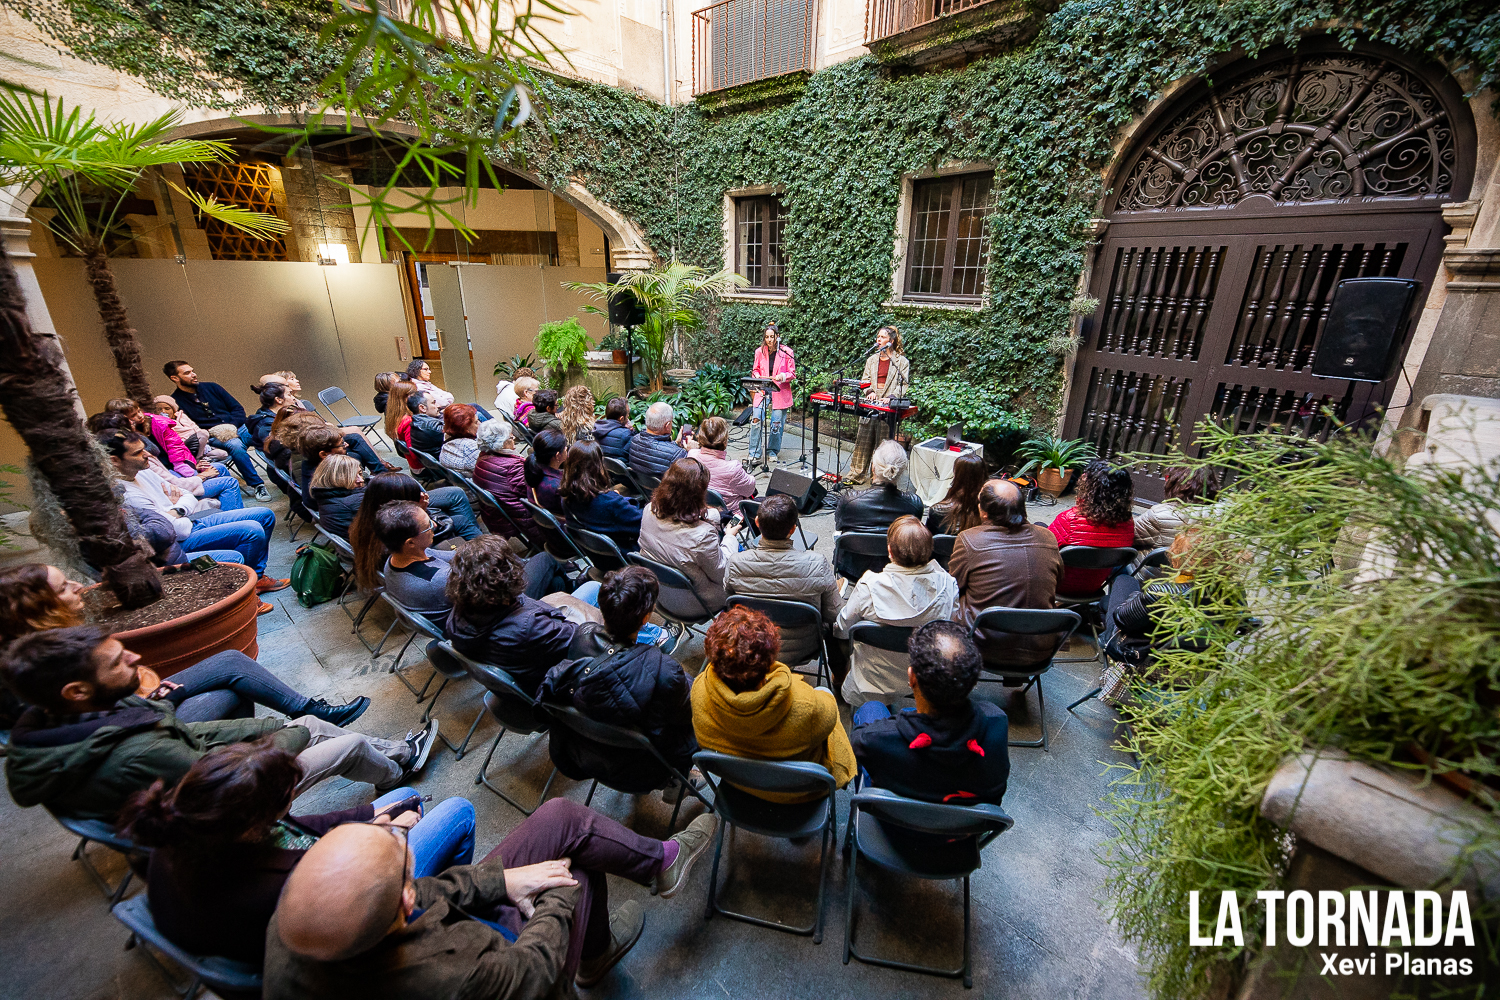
[
  {"x": 884, "y": 18},
  {"x": 739, "y": 41}
]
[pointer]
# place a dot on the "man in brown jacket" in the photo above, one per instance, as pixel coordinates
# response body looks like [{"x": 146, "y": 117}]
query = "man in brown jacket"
[
  {"x": 519, "y": 925},
  {"x": 1007, "y": 562}
]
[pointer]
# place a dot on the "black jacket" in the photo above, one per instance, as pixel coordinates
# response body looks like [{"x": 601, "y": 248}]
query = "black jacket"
[
  {"x": 614, "y": 439},
  {"x": 380, "y": 398},
  {"x": 259, "y": 424},
  {"x": 638, "y": 687},
  {"x": 336, "y": 508},
  {"x": 653, "y": 453},
  {"x": 427, "y": 434},
  {"x": 211, "y": 404},
  {"x": 960, "y": 758},
  {"x": 525, "y": 642},
  {"x": 875, "y": 509}
]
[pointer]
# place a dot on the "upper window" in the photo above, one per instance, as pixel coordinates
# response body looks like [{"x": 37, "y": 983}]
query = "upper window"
[
  {"x": 758, "y": 256},
  {"x": 949, "y": 246},
  {"x": 739, "y": 41}
]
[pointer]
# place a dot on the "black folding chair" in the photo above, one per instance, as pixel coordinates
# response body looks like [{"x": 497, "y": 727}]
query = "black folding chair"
[
  {"x": 890, "y": 638},
  {"x": 679, "y": 601},
  {"x": 417, "y": 624},
  {"x": 801, "y": 628},
  {"x": 1014, "y": 644},
  {"x": 959, "y": 834},
  {"x": 451, "y": 669},
  {"x": 514, "y": 708},
  {"x": 295, "y": 505},
  {"x": 526, "y": 432},
  {"x": 346, "y": 562},
  {"x": 942, "y": 548},
  {"x": 488, "y": 500},
  {"x": 225, "y": 976},
  {"x": 730, "y": 777},
  {"x": 97, "y": 831},
  {"x": 620, "y": 738},
  {"x": 619, "y": 475},
  {"x": 856, "y": 553},
  {"x": 334, "y": 394},
  {"x": 1088, "y": 557},
  {"x": 646, "y": 482},
  {"x": 555, "y": 540},
  {"x": 603, "y": 554},
  {"x": 801, "y": 541}
]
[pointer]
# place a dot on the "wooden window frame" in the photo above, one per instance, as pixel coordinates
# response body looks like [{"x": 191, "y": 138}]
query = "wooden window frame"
[
  {"x": 954, "y": 182},
  {"x": 776, "y": 211}
]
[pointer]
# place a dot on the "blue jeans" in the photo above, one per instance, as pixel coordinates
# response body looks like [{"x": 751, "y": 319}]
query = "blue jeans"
[
  {"x": 588, "y": 593},
  {"x": 236, "y": 446},
  {"x": 442, "y": 838},
  {"x": 225, "y": 489},
  {"x": 246, "y": 531},
  {"x": 778, "y": 424},
  {"x": 229, "y": 685},
  {"x": 454, "y": 502}
]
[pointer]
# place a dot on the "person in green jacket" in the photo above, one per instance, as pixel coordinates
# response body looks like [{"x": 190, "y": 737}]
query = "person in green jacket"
[{"x": 88, "y": 741}]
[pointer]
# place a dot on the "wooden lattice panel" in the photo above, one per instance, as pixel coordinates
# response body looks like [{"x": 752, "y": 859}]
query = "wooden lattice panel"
[{"x": 244, "y": 185}]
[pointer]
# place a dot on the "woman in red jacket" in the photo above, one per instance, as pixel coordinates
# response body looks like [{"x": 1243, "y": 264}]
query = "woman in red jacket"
[{"x": 1101, "y": 519}]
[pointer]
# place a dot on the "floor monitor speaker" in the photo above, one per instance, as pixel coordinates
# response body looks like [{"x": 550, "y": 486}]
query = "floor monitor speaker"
[
  {"x": 808, "y": 494},
  {"x": 1366, "y": 325}
]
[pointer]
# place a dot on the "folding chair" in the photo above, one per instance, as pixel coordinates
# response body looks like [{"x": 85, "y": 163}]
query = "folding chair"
[
  {"x": 995, "y": 632},
  {"x": 801, "y": 628},
  {"x": 334, "y": 394},
  {"x": 99, "y": 832},
  {"x": 603, "y": 554},
  {"x": 619, "y": 474},
  {"x": 679, "y": 601},
  {"x": 959, "y": 834},
  {"x": 487, "y": 499},
  {"x": 346, "y": 561},
  {"x": 730, "y": 777},
  {"x": 750, "y": 508},
  {"x": 512, "y": 707},
  {"x": 890, "y": 638},
  {"x": 451, "y": 669},
  {"x": 942, "y": 548},
  {"x": 555, "y": 540},
  {"x": 526, "y": 432},
  {"x": 295, "y": 505},
  {"x": 621, "y": 738},
  {"x": 715, "y": 500},
  {"x": 858, "y": 552},
  {"x": 1088, "y": 557},
  {"x": 224, "y": 976},
  {"x": 417, "y": 625},
  {"x": 646, "y": 482}
]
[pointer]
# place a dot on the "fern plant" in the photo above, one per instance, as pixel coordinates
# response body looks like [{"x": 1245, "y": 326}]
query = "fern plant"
[
  {"x": 562, "y": 345},
  {"x": 508, "y": 369}
]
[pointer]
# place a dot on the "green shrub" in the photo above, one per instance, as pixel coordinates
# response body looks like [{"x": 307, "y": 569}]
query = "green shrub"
[{"x": 562, "y": 345}]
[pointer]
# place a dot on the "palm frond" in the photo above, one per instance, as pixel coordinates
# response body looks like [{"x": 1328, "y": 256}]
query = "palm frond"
[{"x": 258, "y": 224}]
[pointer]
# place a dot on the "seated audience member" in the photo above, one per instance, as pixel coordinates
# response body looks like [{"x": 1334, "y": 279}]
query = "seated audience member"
[
  {"x": 526, "y": 387},
  {"x": 959, "y": 508},
  {"x": 284, "y": 442},
  {"x": 1100, "y": 519},
  {"x": 591, "y": 503},
  {"x": 160, "y": 430},
  {"x": 680, "y": 530},
  {"x": 949, "y": 748},
  {"x": 81, "y": 681},
  {"x": 459, "y": 451},
  {"x": 653, "y": 450},
  {"x": 494, "y": 621},
  {"x": 207, "y": 482},
  {"x": 614, "y": 432},
  {"x": 223, "y": 844},
  {"x": 354, "y": 437},
  {"x": 623, "y": 681},
  {"x": 911, "y": 591},
  {"x": 544, "y": 469},
  {"x": 383, "y": 383},
  {"x": 577, "y": 417},
  {"x": 747, "y": 704},
  {"x": 398, "y": 416},
  {"x": 1006, "y": 562},
  {"x": 426, "y": 430},
  {"x": 776, "y": 568},
  {"x": 726, "y": 478},
  {"x": 211, "y": 405},
  {"x": 449, "y": 502},
  {"x": 273, "y": 399},
  {"x": 246, "y": 531},
  {"x": 875, "y": 508},
  {"x": 502, "y": 471},
  {"x": 198, "y": 440},
  {"x": 336, "y": 492},
  {"x": 35, "y": 597},
  {"x": 420, "y": 372},
  {"x": 543, "y": 415},
  {"x": 1133, "y": 612},
  {"x": 1185, "y": 489},
  {"x": 316, "y": 443},
  {"x": 416, "y": 575},
  {"x": 529, "y": 920}
]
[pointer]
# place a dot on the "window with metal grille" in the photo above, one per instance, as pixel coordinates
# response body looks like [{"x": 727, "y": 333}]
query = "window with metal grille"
[
  {"x": 737, "y": 41},
  {"x": 758, "y": 255},
  {"x": 950, "y": 243}
]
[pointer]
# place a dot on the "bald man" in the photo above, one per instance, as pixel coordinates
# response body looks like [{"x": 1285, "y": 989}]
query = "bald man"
[
  {"x": 353, "y": 923},
  {"x": 1006, "y": 562}
]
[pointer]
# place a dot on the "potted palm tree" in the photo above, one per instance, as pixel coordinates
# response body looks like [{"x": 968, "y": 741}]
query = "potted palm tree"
[
  {"x": 1054, "y": 459},
  {"x": 669, "y": 297}
]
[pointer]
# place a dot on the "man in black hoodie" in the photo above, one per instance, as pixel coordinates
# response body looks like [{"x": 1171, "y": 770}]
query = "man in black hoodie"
[{"x": 949, "y": 748}]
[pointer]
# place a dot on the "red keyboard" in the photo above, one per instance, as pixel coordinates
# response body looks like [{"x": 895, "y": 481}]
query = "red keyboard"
[{"x": 861, "y": 407}]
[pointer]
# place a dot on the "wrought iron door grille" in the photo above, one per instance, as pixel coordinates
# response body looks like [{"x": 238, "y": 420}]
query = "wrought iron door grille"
[
  {"x": 1159, "y": 300},
  {"x": 1125, "y": 411},
  {"x": 244, "y": 185},
  {"x": 739, "y": 41},
  {"x": 1286, "y": 301}
]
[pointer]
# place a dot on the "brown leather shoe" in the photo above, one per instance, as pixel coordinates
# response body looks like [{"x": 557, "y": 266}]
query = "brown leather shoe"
[
  {"x": 264, "y": 607},
  {"x": 269, "y": 585}
]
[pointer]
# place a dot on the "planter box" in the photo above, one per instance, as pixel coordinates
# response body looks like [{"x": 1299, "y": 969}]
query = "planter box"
[{"x": 230, "y": 623}]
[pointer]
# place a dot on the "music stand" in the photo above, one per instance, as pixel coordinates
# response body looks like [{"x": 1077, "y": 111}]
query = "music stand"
[{"x": 765, "y": 386}]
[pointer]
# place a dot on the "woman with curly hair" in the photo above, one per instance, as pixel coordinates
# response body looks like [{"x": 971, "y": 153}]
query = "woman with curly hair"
[
  {"x": 1101, "y": 519},
  {"x": 748, "y": 704},
  {"x": 680, "y": 529},
  {"x": 591, "y": 503},
  {"x": 577, "y": 416}
]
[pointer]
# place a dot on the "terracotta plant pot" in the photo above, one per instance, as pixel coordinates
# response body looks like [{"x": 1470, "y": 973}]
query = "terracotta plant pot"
[
  {"x": 1052, "y": 481},
  {"x": 618, "y": 357},
  {"x": 229, "y": 623}
]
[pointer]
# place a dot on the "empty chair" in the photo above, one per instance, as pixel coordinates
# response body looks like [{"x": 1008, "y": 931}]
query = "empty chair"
[
  {"x": 801, "y": 627},
  {"x": 99, "y": 832},
  {"x": 224, "y": 976},
  {"x": 1019, "y": 645},
  {"x": 858, "y": 552},
  {"x": 959, "y": 834},
  {"x": 333, "y": 394},
  {"x": 942, "y": 548},
  {"x": 1088, "y": 557},
  {"x": 679, "y": 601},
  {"x": 729, "y": 777}
]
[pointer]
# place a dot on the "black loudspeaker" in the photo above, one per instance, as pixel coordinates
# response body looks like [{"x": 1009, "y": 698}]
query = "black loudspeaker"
[
  {"x": 808, "y": 494},
  {"x": 624, "y": 308},
  {"x": 1366, "y": 325}
]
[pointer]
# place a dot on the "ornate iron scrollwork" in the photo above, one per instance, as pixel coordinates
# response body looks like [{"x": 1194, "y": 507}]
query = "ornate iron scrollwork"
[{"x": 1313, "y": 128}]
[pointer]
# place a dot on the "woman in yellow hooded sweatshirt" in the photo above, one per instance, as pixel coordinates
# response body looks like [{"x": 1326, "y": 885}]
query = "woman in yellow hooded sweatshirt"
[{"x": 748, "y": 704}]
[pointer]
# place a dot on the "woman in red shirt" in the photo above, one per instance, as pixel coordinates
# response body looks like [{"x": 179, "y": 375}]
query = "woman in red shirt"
[{"x": 1101, "y": 519}]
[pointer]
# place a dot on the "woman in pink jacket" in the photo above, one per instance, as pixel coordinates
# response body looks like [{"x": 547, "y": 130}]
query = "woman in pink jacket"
[
  {"x": 773, "y": 360},
  {"x": 163, "y": 433}
]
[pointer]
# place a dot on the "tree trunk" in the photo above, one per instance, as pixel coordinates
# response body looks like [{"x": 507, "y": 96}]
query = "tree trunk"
[
  {"x": 38, "y": 400},
  {"x": 117, "y": 329}
]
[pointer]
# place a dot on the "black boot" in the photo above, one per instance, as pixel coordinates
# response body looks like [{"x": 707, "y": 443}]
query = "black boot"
[{"x": 339, "y": 715}]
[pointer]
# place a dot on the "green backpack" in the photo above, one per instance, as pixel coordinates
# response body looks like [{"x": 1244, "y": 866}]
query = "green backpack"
[{"x": 317, "y": 575}]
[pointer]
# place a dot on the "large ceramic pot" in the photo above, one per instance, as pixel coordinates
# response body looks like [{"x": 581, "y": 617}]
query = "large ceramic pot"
[
  {"x": 1052, "y": 480},
  {"x": 229, "y": 623}
]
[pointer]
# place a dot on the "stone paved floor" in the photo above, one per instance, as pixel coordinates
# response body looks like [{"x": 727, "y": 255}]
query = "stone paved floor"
[{"x": 1040, "y": 927}]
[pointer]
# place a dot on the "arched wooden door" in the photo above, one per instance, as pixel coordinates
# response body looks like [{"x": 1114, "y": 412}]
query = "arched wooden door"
[{"x": 1233, "y": 220}]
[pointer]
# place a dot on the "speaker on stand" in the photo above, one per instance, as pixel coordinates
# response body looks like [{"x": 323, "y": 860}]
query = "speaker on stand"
[
  {"x": 626, "y": 310},
  {"x": 1362, "y": 337}
]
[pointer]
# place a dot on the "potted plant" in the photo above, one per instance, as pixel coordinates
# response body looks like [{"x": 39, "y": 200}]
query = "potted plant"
[
  {"x": 180, "y": 629},
  {"x": 615, "y": 343},
  {"x": 1053, "y": 459},
  {"x": 562, "y": 345}
]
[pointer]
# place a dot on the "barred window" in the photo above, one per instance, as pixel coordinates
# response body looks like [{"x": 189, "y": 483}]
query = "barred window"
[
  {"x": 950, "y": 243},
  {"x": 758, "y": 226}
]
